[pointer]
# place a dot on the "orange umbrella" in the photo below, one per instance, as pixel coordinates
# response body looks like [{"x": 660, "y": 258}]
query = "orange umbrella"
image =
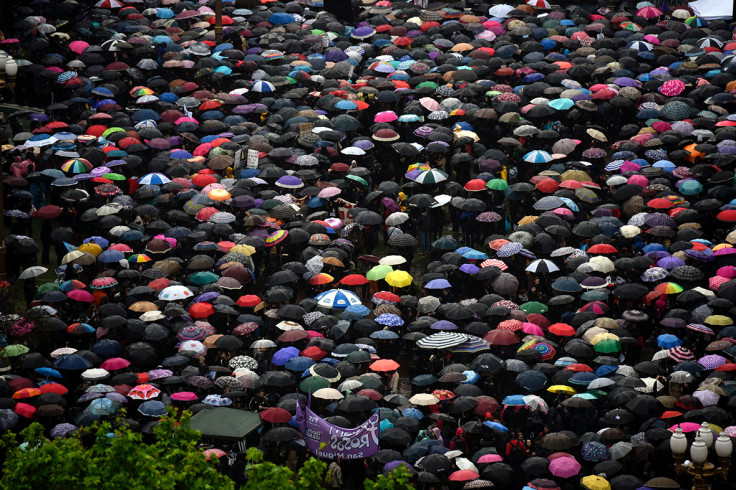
[{"x": 384, "y": 365}]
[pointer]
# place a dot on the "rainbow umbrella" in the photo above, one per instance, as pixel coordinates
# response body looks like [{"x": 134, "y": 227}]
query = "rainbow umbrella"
[
  {"x": 77, "y": 166},
  {"x": 669, "y": 288},
  {"x": 139, "y": 259},
  {"x": 80, "y": 328},
  {"x": 276, "y": 237}
]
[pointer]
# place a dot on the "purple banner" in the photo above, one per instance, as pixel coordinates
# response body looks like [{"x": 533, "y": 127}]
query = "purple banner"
[{"x": 330, "y": 441}]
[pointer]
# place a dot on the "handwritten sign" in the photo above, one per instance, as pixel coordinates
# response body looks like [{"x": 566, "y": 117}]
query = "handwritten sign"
[{"x": 252, "y": 159}]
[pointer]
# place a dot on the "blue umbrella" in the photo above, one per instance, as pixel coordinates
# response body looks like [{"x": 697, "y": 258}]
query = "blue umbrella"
[
  {"x": 355, "y": 312},
  {"x": 281, "y": 356},
  {"x": 583, "y": 378},
  {"x": 531, "y": 380},
  {"x": 102, "y": 406},
  {"x": 495, "y": 426},
  {"x": 384, "y": 335},
  {"x": 668, "y": 341},
  {"x": 164, "y": 13},
  {"x": 605, "y": 370},
  {"x": 299, "y": 364},
  {"x": 412, "y": 412},
  {"x": 107, "y": 347},
  {"x": 48, "y": 372},
  {"x": 423, "y": 380},
  {"x": 151, "y": 408},
  {"x": 281, "y": 18},
  {"x": 110, "y": 256},
  {"x": 389, "y": 319},
  {"x": 72, "y": 362},
  {"x": 514, "y": 400}
]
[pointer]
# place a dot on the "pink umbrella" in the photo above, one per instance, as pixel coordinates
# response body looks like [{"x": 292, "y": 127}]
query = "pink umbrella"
[
  {"x": 628, "y": 166},
  {"x": 638, "y": 180},
  {"x": 184, "y": 396},
  {"x": 564, "y": 467},
  {"x": 78, "y": 46},
  {"x": 716, "y": 282},
  {"x": 686, "y": 427},
  {"x": 429, "y": 104},
  {"x": 81, "y": 295},
  {"x": 115, "y": 363},
  {"x": 727, "y": 271},
  {"x": 532, "y": 329},
  {"x": 495, "y": 458},
  {"x": 329, "y": 192},
  {"x": 385, "y": 116}
]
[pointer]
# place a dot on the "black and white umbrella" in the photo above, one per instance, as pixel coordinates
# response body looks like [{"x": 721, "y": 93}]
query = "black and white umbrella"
[{"x": 442, "y": 340}]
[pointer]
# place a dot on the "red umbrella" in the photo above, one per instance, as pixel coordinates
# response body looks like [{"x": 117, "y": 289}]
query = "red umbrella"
[
  {"x": 384, "y": 365},
  {"x": 603, "y": 248},
  {"x": 47, "y": 212},
  {"x": 562, "y": 329},
  {"x": 276, "y": 415},
  {"x": 386, "y": 296},
  {"x": 547, "y": 186},
  {"x": 314, "y": 352},
  {"x": 729, "y": 215},
  {"x": 201, "y": 310},
  {"x": 354, "y": 280},
  {"x": 475, "y": 185},
  {"x": 596, "y": 307},
  {"x": 57, "y": 388},
  {"x": 660, "y": 203},
  {"x": 579, "y": 367},
  {"x": 248, "y": 300},
  {"x": 503, "y": 337},
  {"x": 115, "y": 363},
  {"x": 372, "y": 394},
  {"x": 464, "y": 475}
]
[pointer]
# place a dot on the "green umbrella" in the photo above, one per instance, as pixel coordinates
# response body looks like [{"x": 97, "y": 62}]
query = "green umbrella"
[
  {"x": 114, "y": 176},
  {"x": 431, "y": 85},
  {"x": 313, "y": 383},
  {"x": 378, "y": 272},
  {"x": 594, "y": 296},
  {"x": 112, "y": 130},
  {"x": 14, "y": 350},
  {"x": 357, "y": 179},
  {"x": 608, "y": 346},
  {"x": 225, "y": 423},
  {"x": 534, "y": 307},
  {"x": 497, "y": 185},
  {"x": 358, "y": 356},
  {"x": 204, "y": 277},
  {"x": 46, "y": 287},
  {"x": 371, "y": 383}
]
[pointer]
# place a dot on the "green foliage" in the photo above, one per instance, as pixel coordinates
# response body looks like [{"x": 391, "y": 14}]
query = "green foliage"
[
  {"x": 110, "y": 461},
  {"x": 398, "y": 479},
  {"x": 264, "y": 475}
]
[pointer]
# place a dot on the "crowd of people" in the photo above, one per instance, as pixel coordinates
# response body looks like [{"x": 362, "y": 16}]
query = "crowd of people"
[{"x": 509, "y": 229}]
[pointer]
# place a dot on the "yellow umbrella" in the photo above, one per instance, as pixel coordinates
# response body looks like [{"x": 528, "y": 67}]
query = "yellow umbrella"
[
  {"x": 604, "y": 336},
  {"x": 399, "y": 279},
  {"x": 527, "y": 219},
  {"x": 91, "y": 248},
  {"x": 244, "y": 249},
  {"x": 722, "y": 245},
  {"x": 578, "y": 175},
  {"x": 719, "y": 320},
  {"x": 561, "y": 389},
  {"x": 595, "y": 482}
]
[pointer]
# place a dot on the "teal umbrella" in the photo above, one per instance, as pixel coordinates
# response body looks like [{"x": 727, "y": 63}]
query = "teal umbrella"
[
  {"x": 204, "y": 277},
  {"x": 225, "y": 423}
]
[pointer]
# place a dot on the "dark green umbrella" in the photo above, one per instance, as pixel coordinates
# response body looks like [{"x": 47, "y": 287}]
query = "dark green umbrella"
[{"x": 226, "y": 423}]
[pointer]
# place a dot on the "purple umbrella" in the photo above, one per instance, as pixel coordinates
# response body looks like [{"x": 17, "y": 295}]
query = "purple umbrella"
[
  {"x": 670, "y": 263},
  {"x": 280, "y": 357},
  {"x": 712, "y": 361},
  {"x": 438, "y": 284},
  {"x": 390, "y": 204},
  {"x": 469, "y": 269},
  {"x": 443, "y": 325}
]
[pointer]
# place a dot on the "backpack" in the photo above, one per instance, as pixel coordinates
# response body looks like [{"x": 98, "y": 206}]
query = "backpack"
[{"x": 328, "y": 476}]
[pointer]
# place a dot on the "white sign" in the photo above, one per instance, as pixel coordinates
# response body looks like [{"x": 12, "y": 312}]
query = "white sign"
[
  {"x": 252, "y": 159},
  {"x": 325, "y": 41},
  {"x": 238, "y": 159}
]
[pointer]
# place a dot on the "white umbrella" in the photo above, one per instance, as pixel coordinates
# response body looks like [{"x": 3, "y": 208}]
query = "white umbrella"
[
  {"x": 173, "y": 293},
  {"x": 350, "y": 385},
  {"x": 94, "y": 373},
  {"x": 424, "y": 399},
  {"x": 263, "y": 344},
  {"x": 328, "y": 394},
  {"x": 33, "y": 271},
  {"x": 288, "y": 325},
  {"x": 392, "y": 260},
  {"x": 395, "y": 219}
]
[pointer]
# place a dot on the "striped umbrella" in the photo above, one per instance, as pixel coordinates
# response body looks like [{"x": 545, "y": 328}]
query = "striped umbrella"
[
  {"x": 442, "y": 340},
  {"x": 77, "y": 166}
]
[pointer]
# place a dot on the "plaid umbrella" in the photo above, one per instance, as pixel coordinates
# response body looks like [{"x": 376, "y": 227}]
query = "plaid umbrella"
[
  {"x": 687, "y": 273},
  {"x": 509, "y": 249}
]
